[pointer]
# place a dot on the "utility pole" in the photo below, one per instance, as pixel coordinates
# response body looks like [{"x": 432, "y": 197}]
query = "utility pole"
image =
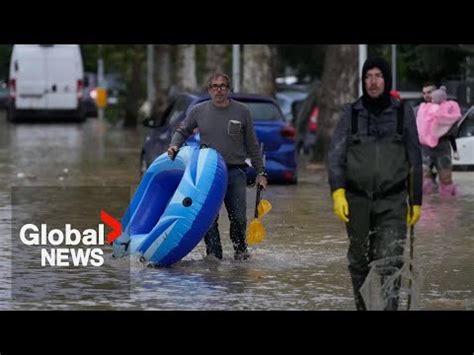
[
  {"x": 100, "y": 79},
  {"x": 236, "y": 67},
  {"x": 150, "y": 82},
  {"x": 362, "y": 59},
  {"x": 394, "y": 67}
]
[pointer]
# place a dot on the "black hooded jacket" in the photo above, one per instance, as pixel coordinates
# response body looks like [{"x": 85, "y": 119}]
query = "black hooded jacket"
[{"x": 381, "y": 124}]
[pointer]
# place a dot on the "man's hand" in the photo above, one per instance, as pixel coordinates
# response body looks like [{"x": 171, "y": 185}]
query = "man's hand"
[
  {"x": 456, "y": 156},
  {"x": 172, "y": 152},
  {"x": 413, "y": 215},
  {"x": 341, "y": 206},
  {"x": 261, "y": 180}
]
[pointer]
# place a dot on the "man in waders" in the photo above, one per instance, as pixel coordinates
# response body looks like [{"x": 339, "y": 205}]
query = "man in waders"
[{"x": 374, "y": 150}]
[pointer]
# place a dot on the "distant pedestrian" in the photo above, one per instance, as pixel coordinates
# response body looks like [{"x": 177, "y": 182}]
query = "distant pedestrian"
[{"x": 435, "y": 120}]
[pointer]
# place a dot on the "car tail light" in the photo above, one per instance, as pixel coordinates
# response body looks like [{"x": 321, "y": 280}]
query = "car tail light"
[
  {"x": 313, "y": 120},
  {"x": 12, "y": 88},
  {"x": 80, "y": 86},
  {"x": 288, "y": 175},
  {"x": 288, "y": 132}
]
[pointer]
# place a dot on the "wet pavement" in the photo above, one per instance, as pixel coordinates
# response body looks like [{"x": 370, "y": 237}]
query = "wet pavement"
[{"x": 301, "y": 264}]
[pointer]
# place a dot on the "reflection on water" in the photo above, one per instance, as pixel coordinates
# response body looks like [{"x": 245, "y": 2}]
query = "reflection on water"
[{"x": 301, "y": 265}]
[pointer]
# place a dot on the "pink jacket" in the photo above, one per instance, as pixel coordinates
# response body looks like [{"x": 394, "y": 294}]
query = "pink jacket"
[{"x": 435, "y": 120}]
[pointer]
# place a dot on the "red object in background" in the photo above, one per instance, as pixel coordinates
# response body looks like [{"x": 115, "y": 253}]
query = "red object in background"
[
  {"x": 313, "y": 120},
  {"x": 288, "y": 132},
  {"x": 395, "y": 94},
  {"x": 12, "y": 88},
  {"x": 288, "y": 176},
  {"x": 79, "y": 87}
]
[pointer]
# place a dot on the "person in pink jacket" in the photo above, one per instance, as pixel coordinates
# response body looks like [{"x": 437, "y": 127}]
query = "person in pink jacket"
[{"x": 434, "y": 121}]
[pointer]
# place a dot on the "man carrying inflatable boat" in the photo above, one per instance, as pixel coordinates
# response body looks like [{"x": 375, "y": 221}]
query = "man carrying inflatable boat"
[{"x": 226, "y": 126}]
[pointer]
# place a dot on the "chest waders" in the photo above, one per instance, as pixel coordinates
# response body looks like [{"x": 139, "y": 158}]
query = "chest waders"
[{"x": 376, "y": 184}]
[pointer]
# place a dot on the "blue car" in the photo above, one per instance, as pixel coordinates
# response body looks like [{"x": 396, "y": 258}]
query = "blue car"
[{"x": 273, "y": 133}]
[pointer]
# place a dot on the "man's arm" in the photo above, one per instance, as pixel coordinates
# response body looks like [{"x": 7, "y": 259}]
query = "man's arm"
[
  {"x": 251, "y": 142},
  {"x": 185, "y": 129},
  {"x": 336, "y": 162},
  {"x": 182, "y": 133},
  {"x": 414, "y": 156}
]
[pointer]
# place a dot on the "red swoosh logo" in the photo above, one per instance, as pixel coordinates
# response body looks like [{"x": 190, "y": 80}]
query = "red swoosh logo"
[{"x": 112, "y": 223}]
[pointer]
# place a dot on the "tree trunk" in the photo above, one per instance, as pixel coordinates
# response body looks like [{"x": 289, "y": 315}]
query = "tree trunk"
[
  {"x": 301, "y": 122},
  {"x": 186, "y": 67},
  {"x": 339, "y": 86},
  {"x": 257, "y": 70},
  {"x": 162, "y": 79},
  {"x": 215, "y": 61},
  {"x": 133, "y": 97}
]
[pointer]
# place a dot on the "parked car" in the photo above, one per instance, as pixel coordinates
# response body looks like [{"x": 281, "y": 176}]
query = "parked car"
[
  {"x": 89, "y": 94},
  {"x": 114, "y": 84},
  {"x": 465, "y": 142},
  {"x": 276, "y": 136},
  {"x": 307, "y": 134}
]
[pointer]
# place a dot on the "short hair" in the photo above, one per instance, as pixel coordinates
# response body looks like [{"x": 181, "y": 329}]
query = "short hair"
[
  {"x": 429, "y": 83},
  {"x": 215, "y": 76}
]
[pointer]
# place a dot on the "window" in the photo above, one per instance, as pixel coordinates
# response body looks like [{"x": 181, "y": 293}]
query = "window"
[
  {"x": 264, "y": 111},
  {"x": 467, "y": 127}
]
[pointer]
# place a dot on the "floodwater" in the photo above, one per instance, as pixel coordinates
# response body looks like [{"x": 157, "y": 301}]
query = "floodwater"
[{"x": 301, "y": 264}]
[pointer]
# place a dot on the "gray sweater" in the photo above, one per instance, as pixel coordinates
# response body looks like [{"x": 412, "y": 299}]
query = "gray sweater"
[{"x": 228, "y": 130}]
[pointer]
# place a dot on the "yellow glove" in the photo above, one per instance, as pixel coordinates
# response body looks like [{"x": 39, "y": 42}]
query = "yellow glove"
[
  {"x": 341, "y": 206},
  {"x": 413, "y": 215}
]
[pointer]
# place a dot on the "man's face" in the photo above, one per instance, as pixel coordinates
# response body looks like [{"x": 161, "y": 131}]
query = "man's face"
[
  {"x": 219, "y": 90},
  {"x": 374, "y": 82},
  {"x": 427, "y": 90}
]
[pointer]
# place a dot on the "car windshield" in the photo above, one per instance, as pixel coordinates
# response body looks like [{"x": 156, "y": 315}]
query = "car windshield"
[{"x": 264, "y": 111}]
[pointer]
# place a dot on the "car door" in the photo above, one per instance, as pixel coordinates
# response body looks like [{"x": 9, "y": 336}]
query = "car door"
[
  {"x": 62, "y": 66},
  {"x": 269, "y": 123},
  {"x": 465, "y": 140},
  {"x": 29, "y": 69}
]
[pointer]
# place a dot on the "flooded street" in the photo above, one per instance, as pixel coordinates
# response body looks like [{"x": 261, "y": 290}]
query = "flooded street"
[{"x": 301, "y": 265}]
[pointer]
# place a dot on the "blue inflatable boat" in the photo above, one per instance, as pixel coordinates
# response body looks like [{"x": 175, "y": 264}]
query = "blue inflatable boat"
[{"x": 173, "y": 207}]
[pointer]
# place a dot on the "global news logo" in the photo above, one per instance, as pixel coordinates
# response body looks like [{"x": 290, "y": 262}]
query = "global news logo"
[{"x": 70, "y": 246}]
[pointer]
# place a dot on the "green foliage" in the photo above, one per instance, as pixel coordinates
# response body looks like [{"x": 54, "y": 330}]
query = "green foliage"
[
  {"x": 433, "y": 62},
  {"x": 307, "y": 61},
  {"x": 5, "y": 54},
  {"x": 119, "y": 59}
]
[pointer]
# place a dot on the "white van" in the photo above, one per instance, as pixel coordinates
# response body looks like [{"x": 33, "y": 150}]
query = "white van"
[{"x": 46, "y": 80}]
